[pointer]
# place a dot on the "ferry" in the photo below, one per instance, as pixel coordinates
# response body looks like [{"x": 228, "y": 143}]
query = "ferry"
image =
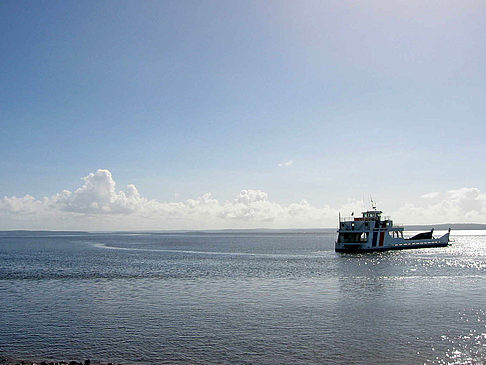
[{"x": 372, "y": 232}]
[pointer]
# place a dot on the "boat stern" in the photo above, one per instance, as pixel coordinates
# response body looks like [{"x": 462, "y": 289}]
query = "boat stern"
[{"x": 445, "y": 239}]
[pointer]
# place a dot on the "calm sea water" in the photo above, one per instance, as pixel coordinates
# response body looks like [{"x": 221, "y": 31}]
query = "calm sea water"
[{"x": 270, "y": 298}]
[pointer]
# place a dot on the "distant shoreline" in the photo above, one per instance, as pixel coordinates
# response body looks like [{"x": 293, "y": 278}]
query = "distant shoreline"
[
  {"x": 445, "y": 226},
  {"x": 410, "y": 227}
]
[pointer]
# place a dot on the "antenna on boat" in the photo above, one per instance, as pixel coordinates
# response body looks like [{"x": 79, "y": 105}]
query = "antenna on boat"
[{"x": 373, "y": 203}]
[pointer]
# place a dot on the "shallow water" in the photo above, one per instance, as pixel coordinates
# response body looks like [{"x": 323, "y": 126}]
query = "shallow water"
[{"x": 273, "y": 297}]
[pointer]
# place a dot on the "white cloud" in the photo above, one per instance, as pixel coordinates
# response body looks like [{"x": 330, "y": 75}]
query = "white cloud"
[
  {"x": 432, "y": 195},
  {"x": 464, "y": 205},
  {"x": 24, "y": 205},
  {"x": 286, "y": 163},
  {"x": 98, "y": 205},
  {"x": 99, "y": 196}
]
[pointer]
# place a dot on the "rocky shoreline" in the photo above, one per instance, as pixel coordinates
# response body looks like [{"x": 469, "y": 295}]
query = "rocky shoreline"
[{"x": 10, "y": 361}]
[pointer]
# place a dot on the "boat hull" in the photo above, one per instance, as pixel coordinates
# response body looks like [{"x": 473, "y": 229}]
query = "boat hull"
[{"x": 404, "y": 246}]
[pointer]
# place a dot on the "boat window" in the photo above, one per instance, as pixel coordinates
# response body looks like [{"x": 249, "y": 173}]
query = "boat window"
[
  {"x": 355, "y": 237},
  {"x": 396, "y": 234}
]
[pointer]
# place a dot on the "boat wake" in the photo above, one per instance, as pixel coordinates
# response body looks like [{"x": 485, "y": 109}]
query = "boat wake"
[{"x": 209, "y": 253}]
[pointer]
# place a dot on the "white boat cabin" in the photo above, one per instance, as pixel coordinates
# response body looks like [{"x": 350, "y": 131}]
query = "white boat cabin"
[{"x": 372, "y": 232}]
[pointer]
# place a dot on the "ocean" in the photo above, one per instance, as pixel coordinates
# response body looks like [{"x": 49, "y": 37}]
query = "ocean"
[{"x": 270, "y": 297}]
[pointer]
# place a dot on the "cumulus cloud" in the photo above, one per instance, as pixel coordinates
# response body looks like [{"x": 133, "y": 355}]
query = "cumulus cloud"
[
  {"x": 24, "y": 205},
  {"x": 98, "y": 195},
  {"x": 464, "y": 205},
  {"x": 286, "y": 163},
  {"x": 98, "y": 205},
  {"x": 251, "y": 205}
]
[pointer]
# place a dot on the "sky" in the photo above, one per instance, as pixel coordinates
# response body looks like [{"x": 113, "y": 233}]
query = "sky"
[{"x": 240, "y": 114}]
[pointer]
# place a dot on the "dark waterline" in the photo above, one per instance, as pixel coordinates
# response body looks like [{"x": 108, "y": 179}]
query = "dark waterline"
[{"x": 267, "y": 297}]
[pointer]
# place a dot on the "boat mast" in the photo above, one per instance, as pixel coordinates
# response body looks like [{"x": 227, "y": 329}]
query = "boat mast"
[{"x": 373, "y": 203}]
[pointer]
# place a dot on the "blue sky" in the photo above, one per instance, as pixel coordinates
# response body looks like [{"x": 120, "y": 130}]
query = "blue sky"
[{"x": 181, "y": 98}]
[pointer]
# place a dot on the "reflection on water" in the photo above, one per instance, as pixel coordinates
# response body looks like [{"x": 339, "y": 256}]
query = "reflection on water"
[
  {"x": 233, "y": 298},
  {"x": 468, "y": 348}
]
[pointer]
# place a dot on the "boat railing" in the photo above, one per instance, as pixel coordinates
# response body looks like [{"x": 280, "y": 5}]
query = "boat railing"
[{"x": 362, "y": 219}]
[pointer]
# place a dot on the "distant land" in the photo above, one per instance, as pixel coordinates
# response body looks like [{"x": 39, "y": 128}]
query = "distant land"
[
  {"x": 445, "y": 226},
  {"x": 411, "y": 227}
]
